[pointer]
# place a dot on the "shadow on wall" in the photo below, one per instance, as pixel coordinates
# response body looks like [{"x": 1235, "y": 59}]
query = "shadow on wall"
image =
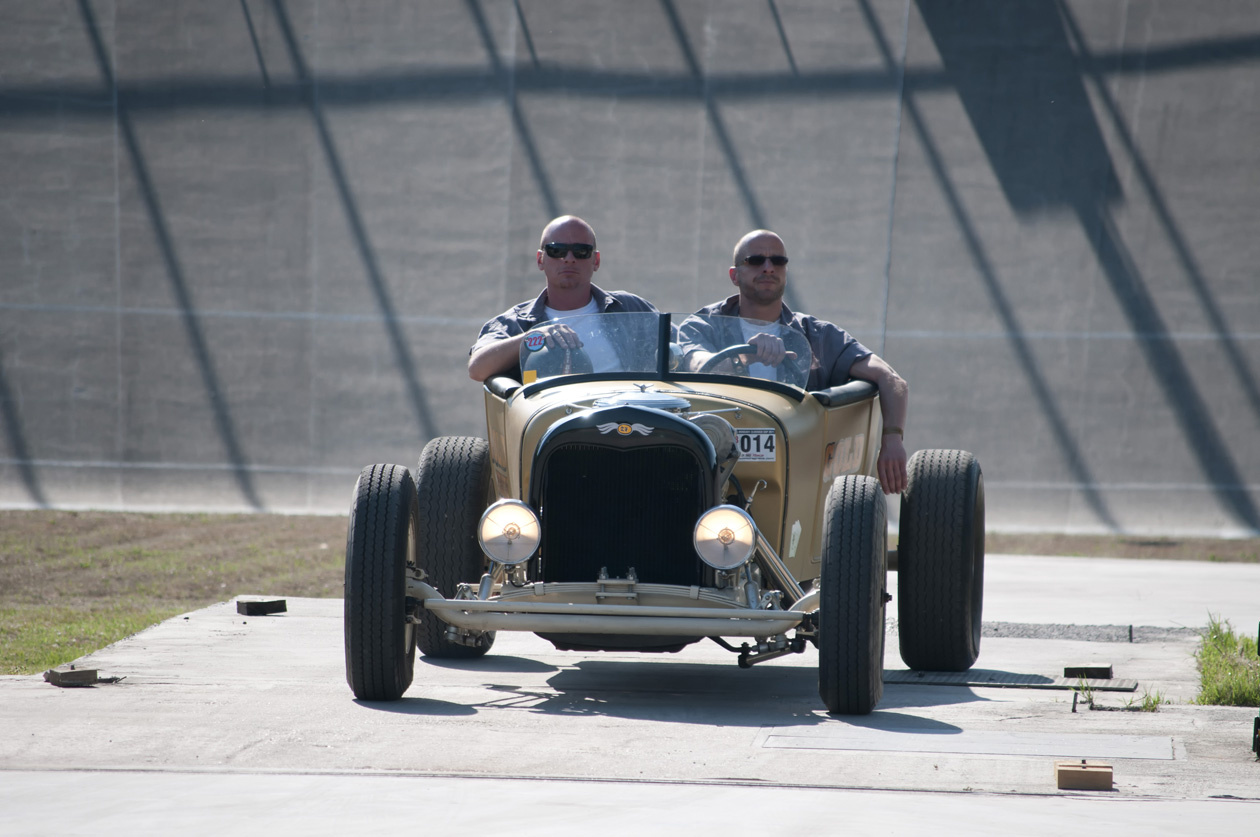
[
  {"x": 1022, "y": 71},
  {"x": 1018, "y": 69}
]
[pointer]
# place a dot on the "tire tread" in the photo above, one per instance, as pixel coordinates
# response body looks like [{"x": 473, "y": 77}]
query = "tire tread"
[
  {"x": 453, "y": 482},
  {"x": 851, "y": 632},
  {"x": 374, "y": 610},
  {"x": 938, "y": 606}
]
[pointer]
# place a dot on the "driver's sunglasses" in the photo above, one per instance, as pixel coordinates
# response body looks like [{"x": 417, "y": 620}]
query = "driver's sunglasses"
[
  {"x": 557, "y": 250},
  {"x": 758, "y": 260}
]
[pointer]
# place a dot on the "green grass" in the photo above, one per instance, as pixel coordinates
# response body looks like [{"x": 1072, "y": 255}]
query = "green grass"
[
  {"x": 1148, "y": 702},
  {"x": 1229, "y": 668},
  {"x": 34, "y": 638},
  {"x": 74, "y": 582}
]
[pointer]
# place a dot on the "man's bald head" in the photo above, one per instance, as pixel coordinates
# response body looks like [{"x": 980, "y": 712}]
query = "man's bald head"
[
  {"x": 755, "y": 237},
  {"x": 562, "y": 229}
]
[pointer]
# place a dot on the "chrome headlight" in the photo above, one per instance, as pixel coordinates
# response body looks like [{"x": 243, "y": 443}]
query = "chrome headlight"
[
  {"x": 725, "y": 537},
  {"x": 509, "y": 532}
]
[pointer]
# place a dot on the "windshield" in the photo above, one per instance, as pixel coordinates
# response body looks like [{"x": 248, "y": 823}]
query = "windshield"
[
  {"x": 601, "y": 343},
  {"x": 733, "y": 346},
  {"x": 628, "y": 343}
]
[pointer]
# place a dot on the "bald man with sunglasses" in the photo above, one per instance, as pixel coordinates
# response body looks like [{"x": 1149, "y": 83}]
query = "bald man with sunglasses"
[
  {"x": 568, "y": 258},
  {"x": 759, "y": 274}
]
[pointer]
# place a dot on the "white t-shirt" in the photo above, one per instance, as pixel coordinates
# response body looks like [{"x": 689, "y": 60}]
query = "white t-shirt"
[{"x": 600, "y": 350}]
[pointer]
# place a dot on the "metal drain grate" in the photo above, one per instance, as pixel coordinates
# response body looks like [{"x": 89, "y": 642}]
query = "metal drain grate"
[{"x": 989, "y": 678}]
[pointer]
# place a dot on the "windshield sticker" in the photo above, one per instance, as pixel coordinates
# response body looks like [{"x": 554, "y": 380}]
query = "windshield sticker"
[
  {"x": 535, "y": 340},
  {"x": 756, "y": 444}
]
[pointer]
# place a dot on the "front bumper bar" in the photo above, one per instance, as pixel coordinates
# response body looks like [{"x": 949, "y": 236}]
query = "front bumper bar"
[{"x": 560, "y": 617}]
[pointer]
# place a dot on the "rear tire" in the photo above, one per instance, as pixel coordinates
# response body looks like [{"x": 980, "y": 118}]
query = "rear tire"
[
  {"x": 380, "y": 543},
  {"x": 940, "y": 558},
  {"x": 453, "y": 484},
  {"x": 851, "y": 612}
]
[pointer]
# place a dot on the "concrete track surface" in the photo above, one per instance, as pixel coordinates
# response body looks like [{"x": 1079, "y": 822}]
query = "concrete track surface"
[{"x": 226, "y": 722}]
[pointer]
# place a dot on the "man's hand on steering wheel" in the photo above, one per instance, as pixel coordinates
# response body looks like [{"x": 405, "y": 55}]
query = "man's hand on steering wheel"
[
  {"x": 770, "y": 350},
  {"x": 561, "y": 336}
]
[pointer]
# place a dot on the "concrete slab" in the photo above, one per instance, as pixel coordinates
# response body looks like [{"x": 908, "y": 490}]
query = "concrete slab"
[
  {"x": 217, "y": 706},
  {"x": 1120, "y": 591},
  {"x": 312, "y": 803}
]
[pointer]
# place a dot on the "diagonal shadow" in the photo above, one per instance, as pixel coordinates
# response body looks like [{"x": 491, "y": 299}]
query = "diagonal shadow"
[
  {"x": 997, "y": 295},
  {"x": 1166, "y": 364},
  {"x": 397, "y": 340},
  {"x": 783, "y": 38},
  {"x": 529, "y": 40},
  {"x": 1037, "y": 126},
  {"x": 253, "y": 40},
  {"x": 733, "y": 161},
  {"x": 1189, "y": 264},
  {"x": 17, "y": 442},
  {"x": 505, "y": 81},
  {"x": 174, "y": 271}
]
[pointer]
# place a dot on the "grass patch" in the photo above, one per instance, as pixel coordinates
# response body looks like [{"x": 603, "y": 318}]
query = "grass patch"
[
  {"x": 1148, "y": 702},
  {"x": 74, "y": 582},
  {"x": 35, "y": 638},
  {"x": 1229, "y": 669},
  {"x": 1216, "y": 550}
]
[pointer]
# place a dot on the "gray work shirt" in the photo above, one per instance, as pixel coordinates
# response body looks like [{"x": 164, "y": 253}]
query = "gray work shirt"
[
  {"x": 834, "y": 350},
  {"x": 521, "y": 318}
]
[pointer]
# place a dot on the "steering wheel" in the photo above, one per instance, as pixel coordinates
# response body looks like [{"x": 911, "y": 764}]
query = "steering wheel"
[
  {"x": 726, "y": 354},
  {"x": 793, "y": 368},
  {"x": 549, "y": 362}
]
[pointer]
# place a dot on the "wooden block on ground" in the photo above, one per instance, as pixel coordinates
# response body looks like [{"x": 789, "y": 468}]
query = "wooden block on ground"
[
  {"x": 261, "y": 608},
  {"x": 1092, "y": 671},
  {"x": 1082, "y": 775},
  {"x": 67, "y": 677}
]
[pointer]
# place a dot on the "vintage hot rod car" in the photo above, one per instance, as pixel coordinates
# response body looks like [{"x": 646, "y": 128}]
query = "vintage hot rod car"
[{"x": 623, "y": 503}]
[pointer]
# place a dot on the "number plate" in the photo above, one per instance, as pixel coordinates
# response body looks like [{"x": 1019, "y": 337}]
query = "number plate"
[{"x": 756, "y": 444}]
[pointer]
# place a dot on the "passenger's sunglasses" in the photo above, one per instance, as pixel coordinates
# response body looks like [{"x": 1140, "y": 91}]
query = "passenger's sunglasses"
[
  {"x": 758, "y": 260},
  {"x": 557, "y": 250}
]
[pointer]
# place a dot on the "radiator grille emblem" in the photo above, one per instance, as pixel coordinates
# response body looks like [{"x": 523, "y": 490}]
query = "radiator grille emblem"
[{"x": 625, "y": 428}]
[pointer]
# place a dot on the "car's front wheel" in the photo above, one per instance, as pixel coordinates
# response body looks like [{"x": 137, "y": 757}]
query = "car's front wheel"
[
  {"x": 851, "y": 617},
  {"x": 380, "y": 542},
  {"x": 940, "y": 561},
  {"x": 453, "y": 483}
]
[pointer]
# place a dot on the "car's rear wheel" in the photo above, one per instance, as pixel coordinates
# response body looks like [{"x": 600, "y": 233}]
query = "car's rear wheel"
[
  {"x": 940, "y": 561},
  {"x": 453, "y": 483},
  {"x": 851, "y": 611},
  {"x": 380, "y": 542}
]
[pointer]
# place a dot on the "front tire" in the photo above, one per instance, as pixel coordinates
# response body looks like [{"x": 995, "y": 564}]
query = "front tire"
[
  {"x": 854, "y": 572},
  {"x": 453, "y": 483},
  {"x": 940, "y": 560},
  {"x": 380, "y": 543}
]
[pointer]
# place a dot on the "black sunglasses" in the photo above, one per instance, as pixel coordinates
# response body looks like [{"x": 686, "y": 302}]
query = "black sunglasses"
[
  {"x": 557, "y": 250},
  {"x": 758, "y": 260}
]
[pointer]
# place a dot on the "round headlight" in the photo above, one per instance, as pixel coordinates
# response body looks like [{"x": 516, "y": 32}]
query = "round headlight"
[
  {"x": 725, "y": 537},
  {"x": 509, "y": 532}
]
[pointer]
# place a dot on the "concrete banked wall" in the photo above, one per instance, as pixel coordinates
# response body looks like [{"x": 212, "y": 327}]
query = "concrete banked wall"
[{"x": 246, "y": 245}]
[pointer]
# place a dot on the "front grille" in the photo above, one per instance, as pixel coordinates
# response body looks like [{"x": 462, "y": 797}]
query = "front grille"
[{"x": 636, "y": 507}]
